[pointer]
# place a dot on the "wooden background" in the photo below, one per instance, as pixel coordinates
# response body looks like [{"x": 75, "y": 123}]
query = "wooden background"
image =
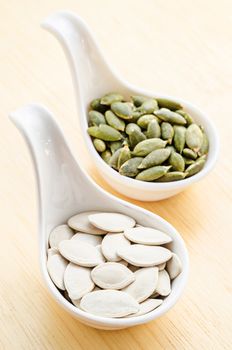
[{"x": 182, "y": 48}]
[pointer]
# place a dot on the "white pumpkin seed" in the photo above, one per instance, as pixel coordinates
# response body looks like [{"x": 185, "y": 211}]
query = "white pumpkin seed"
[
  {"x": 56, "y": 266},
  {"x": 111, "y": 243},
  {"x": 147, "y": 235},
  {"x": 112, "y": 275},
  {"x": 77, "y": 281},
  {"x": 87, "y": 238},
  {"x": 52, "y": 251},
  {"x": 147, "y": 306},
  {"x": 174, "y": 266},
  {"x": 109, "y": 303},
  {"x": 80, "y": 222},
  {"x": 145, "y": 283},
  {"x": 144, "y": 255},
  {"x": 60, "y": 233},
  {"x": 99, "y": 248},
  {"x": 80, "y": 253},
  {"x": 164, "y": 285},
  {"x": 111, "y": 222}
]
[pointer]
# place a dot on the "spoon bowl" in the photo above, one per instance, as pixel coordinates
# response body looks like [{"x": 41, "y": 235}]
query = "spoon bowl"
[
  {"x": 64, "y": 189},
  {"x": 93, "y": 77}
]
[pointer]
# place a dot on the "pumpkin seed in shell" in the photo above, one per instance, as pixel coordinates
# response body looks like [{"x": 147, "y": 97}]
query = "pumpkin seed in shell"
[
  {"x": 174, "y": 266},
  {"x": 147, "y": 306},
  {"x": 56, "y": 266},
  {"x": 145, "y": 283},
  {"x": 111, "y": 243},
  {"x": 147, "y": 236},
  {"x": 77, "y": 281},
  {"x": 111, "y": 275},
  {"x": 163, "y": 287},
  {"x": 111, "y": 222},
  {"x": 109, "y": 303},
  {"x": 58, "y": 234}
]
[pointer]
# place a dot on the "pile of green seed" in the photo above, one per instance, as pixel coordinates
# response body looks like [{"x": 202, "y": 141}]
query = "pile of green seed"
[{"x": 149, "y": 139}]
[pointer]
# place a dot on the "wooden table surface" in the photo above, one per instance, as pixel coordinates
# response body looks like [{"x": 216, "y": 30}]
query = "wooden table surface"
[{"x": 182, "y": 48}]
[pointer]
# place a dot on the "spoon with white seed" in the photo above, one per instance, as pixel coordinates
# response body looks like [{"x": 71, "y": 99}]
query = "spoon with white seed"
[{"x": 64, "y": 190}]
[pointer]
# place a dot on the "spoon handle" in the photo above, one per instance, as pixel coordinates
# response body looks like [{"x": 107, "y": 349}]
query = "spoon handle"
[
  {"x": 62, "y": 184},
  {"x": 92, "y": 75}
]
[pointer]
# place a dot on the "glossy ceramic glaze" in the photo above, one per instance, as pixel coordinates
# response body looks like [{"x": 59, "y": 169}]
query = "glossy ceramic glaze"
[
  {"x": 64, "y": 189},
  {"x": 93, "y": 77}
]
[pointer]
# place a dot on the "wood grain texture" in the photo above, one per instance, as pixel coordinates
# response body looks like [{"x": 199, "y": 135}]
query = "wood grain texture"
[{"x": 182, "y": 48}]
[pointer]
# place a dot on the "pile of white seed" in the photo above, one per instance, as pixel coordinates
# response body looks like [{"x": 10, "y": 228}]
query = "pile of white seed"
[{"x": 109, "y": 266}]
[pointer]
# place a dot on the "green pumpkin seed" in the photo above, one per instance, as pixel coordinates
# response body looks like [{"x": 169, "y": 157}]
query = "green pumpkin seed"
[
  {"x": 167, "y": 132},
  {"x": 186, "y": 116},
  {"x": 130, "y": 167},
  {"x": 148, "y": 106},
  {"x": 172, "y": 176},
  {"x": 166, "y": 103},
  {"x": 188, "y": 161},
  {"x": 110, "y": 98},
  {"x": 124, "y": 155},
  {"x": 205, "y": 145},
  {"x": 169, "y": 116},
  {"x": 114, "y": 121},
  {"x": 135, "y": 116},
  {"x": 177, "y": 162},
  {"x": 106, "y": 155},
  {"x": 153, "y": 129},
  {"x": 122, "y": 109},
  {"x": 114, "y": 145},
  {"x": 179, "y": 138},
  {"x": 113, "y": 162},
  {"x": 189, "y": 153},
  {"x": 194, "y": 137},
  {"x": 153, "y": 173},
  {"x": 97, "y": 106},
  {"x": 96, "y": 118},
  {"x": 156, "y": 157},
  {"x": 145, "y": 147},
  {"x": 138, "y": 100},
  {"x": 104, "y": 132},
  {"x": 136, "y": 137},
  {"x": 99, "y": 145},
  {"x": 130, "y": 127},
  {"x": 145, "y": 120},
  {"x": 195, "y": 167}
]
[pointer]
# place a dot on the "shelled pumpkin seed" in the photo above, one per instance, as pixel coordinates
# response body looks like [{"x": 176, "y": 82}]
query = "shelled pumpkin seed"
[{"x": 127, "y": 133}]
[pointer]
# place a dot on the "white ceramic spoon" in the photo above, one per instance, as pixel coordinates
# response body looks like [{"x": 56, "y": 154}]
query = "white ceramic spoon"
[
  {"x": 93, "y": 77},
  {"x": 64, "y": 189}
]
